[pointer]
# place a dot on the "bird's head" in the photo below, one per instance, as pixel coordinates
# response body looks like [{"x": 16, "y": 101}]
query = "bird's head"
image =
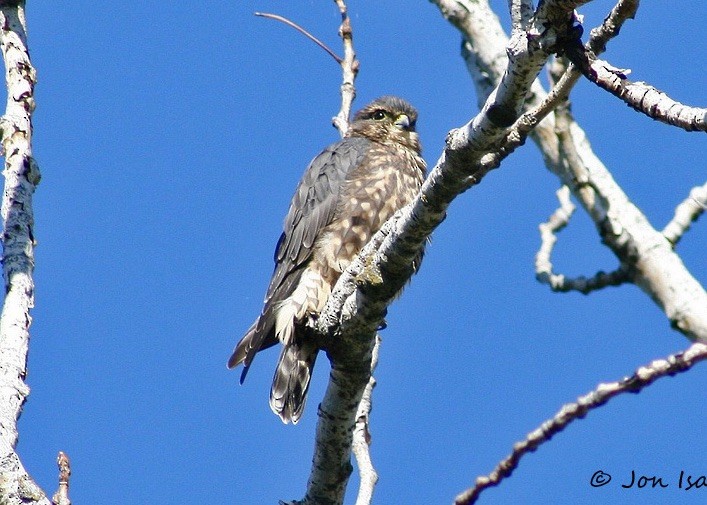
[{"x": 388, "y": 120}]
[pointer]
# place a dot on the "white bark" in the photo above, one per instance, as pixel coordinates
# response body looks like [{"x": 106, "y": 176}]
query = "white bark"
[
  {"x": 685, "y": 213},
  {"x": 359, "y": 300},
  {"x": 21, "y": 176},
  {"x": 643, "y": 252},
  {"x": 645, "y": 255}
]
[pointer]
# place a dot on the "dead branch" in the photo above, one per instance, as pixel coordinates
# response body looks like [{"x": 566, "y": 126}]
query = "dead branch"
[{"x": 643, "y": 377}]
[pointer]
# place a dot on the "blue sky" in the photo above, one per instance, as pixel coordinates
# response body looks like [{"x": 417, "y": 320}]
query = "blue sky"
[{"x": 170, "y": 138}]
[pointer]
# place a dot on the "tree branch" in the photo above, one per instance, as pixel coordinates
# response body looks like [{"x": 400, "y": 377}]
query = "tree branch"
[
  {"x": 643, "y": 252},
  {"x": 349, "y": 66},
  {"x": 640, "y": 96},
  {"x": 543, "y": 266},
  {"x": 521, "y": 13},
  {"x": 21, "y": 177},
  {"x": 643, "y": 377},
  {"x": 359, "y": 300},
  {"x": 61, "y": 497},
  {"x": 304, "y": 32},
  {"x": 362, "y": 437},
  {"x": 599, "y": 37},
  {"x": 686, "y": 213}
]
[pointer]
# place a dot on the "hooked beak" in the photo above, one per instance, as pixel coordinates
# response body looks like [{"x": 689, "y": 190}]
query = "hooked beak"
[{"x": 402, "y": 122}]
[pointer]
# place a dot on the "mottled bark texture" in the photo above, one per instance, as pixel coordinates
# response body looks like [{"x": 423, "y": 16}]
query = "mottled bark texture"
[{"x": 21, "y": 177}]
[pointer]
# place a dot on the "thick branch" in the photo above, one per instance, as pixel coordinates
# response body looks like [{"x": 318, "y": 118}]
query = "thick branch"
[
  {"x": 643, "y": 252},
  {"x": 521, "y": 13},
  {"x": 21, "y": 176},
  {"x": 643, "y": 377},
  {"x": 357, "y": 306}
]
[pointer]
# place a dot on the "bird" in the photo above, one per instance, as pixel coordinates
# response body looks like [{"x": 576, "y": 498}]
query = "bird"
[{"x": 346, "y": 194}]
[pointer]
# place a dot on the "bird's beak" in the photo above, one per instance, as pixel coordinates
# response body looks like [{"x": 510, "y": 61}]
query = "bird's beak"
[{"x": 402, "y": 122}]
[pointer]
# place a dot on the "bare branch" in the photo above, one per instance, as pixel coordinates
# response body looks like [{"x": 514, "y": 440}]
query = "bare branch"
[
  {"x": 644, "y": 376},
  {"x": 61, "y": 497},
  {"x": 304, "y": 32},
  {"x": 557, "y": 221},
  {"x": 686, "y": 213},
  {"x": 21, "y": 177},
  {"x": 362, "y": 437},
  {"x": 543, "y": 266},
  {"x": 640, "y": 96},
  {"x": 643, "y": 252},
  {"x": 611, "y": 26},
  {"x": 349, "y": 66},
  {"x": 358, "y": 302},
  {"x": 599, "y": 37},
  {"x": 521, "y": 13}
]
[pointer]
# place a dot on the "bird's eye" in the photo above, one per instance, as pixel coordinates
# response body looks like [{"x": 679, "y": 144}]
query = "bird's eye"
[{"x": 378, "y": 115}]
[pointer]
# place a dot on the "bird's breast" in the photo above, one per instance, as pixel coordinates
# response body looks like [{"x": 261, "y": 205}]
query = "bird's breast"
[{"x": 384, "y": 183}]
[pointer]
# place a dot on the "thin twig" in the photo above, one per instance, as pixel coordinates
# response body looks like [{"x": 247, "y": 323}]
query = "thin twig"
[
  {"x": 543, "y": 264},
  {"x": 643, "y": 377},
  {"x": 302, "y": 31}
]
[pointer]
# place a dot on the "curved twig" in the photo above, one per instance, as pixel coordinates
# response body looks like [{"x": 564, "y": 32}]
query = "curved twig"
[
  {"x": 304, "y": 32},
  {"x": 543, "y": 264}
]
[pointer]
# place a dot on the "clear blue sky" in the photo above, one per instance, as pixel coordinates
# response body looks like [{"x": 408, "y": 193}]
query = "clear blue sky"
[{"x": 170, "y": 137}]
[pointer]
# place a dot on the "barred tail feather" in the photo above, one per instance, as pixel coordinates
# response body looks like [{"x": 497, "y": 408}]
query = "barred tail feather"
[{"x": 291, "y": 381}]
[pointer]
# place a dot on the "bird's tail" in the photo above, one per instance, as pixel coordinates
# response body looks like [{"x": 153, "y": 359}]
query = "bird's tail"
[{"x": 291, "y": 381}]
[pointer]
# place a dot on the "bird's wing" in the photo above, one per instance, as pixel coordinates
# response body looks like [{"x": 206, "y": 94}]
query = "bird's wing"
[{"x": 312, "y": 208}]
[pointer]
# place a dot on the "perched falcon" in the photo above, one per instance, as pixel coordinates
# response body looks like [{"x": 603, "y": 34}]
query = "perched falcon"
[{"x": 344, "y": 197}]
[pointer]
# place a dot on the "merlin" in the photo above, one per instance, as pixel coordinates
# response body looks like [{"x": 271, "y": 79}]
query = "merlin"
[{"x": 346, "y": 194}]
